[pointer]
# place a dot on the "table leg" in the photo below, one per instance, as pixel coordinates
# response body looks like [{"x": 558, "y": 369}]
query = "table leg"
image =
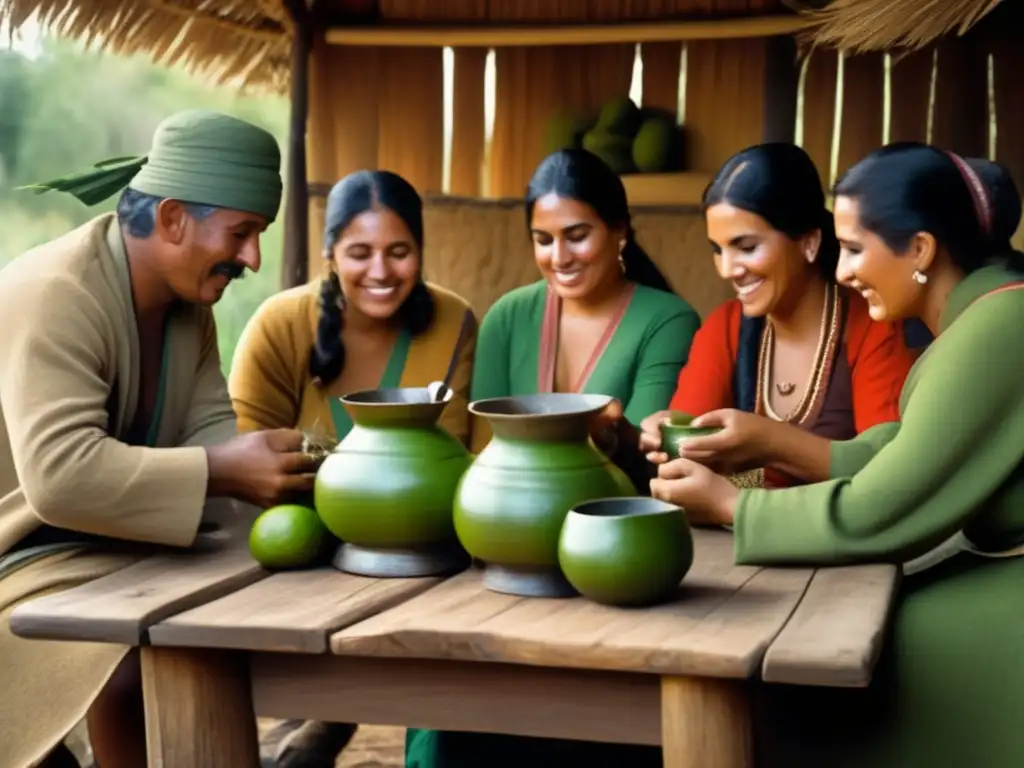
[
  {"x": 199, "y": 709},
  {"x": 705, "y": 723}
]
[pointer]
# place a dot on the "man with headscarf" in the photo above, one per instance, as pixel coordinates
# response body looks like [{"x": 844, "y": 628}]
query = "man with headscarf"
[{"x": 115, "y": 422}]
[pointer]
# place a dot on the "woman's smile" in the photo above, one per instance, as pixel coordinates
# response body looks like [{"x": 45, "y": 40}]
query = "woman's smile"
[
  {"x": 380, "y": 291},
  {"x": 746, "y": 287},
  {"x": 569, "y": 277}
]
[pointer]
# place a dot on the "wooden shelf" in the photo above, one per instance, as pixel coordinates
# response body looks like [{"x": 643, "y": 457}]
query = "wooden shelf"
[
  {"x": 686, "y": 188},
  {"x": 495, "y": 34}
]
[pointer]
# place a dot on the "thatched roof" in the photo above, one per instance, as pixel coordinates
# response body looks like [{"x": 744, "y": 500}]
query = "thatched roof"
[
  {"x": 876, "y": 25},
  {"x": 248, "y": 41},
  {"x": 241, "y": 41}
]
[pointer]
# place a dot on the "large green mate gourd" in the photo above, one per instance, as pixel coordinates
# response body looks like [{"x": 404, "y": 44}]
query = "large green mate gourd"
[
  {"x": 512, "y": 501},
  {"x": 389, "y": 484}
]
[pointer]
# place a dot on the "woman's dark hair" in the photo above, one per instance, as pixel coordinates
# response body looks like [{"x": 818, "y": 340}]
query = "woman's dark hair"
[
  {"x": 906, "y": 188},
  {"x": 1004, "y": 196},
  {"x": 780, "y": 183},
  {"x": 355, "y": 194},
  {"x": 577, "y": 174}
]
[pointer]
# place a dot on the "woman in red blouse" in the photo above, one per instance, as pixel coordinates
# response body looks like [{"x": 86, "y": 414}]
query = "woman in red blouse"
[{"x": 794, "y": 361}]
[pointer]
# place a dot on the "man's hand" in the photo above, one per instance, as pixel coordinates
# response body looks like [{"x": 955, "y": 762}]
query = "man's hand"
[{"x": 263, "y": 468}]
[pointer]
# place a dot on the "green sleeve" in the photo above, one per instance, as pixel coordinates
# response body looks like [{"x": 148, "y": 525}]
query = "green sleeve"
[
  {"x": 663, "y": 355},
  {"x": 848, "y": 457},
  {"x": 491, "y": 366},
  {"x": 961, "y": 437}
]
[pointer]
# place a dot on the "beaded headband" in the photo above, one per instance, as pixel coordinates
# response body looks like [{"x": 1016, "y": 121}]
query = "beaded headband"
[{"x": 979, "y": 194}]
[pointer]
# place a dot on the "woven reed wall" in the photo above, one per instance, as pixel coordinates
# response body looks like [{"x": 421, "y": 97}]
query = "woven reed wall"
[
  {"x": 480, "y": 249},
  {"x": 376, "y": 107}
]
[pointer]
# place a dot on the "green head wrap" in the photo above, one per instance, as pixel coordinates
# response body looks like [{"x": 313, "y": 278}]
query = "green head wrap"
[{"x": 200, "y": 157}]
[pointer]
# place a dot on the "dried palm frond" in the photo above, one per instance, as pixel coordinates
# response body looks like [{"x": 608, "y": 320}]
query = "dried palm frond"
[
  {"x": 245, "y": 43},
  {"x": 874, "y": 25}
]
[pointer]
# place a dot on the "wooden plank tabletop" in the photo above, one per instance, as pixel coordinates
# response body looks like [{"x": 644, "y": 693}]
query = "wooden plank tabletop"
[
  {"x": 293, "y": 611},
  {"x": 120, "y": 607},
  {"x": 835, "y": 635},
  {"x": 720, "y": 625},
  {"x": 795, "y": 625}
]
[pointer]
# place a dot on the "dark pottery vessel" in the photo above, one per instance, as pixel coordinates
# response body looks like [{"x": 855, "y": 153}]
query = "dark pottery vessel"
[
  {"x": 626, "y": 552},
  {"x": 677, "y": 429},
  {"x": 386, "y": 490},
  {"x": 512, "y": 501}
]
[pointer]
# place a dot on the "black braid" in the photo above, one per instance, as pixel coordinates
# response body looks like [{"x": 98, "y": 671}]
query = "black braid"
[
  {"x": 356, "y": 193},
  {"x": 327, "y": 358}
]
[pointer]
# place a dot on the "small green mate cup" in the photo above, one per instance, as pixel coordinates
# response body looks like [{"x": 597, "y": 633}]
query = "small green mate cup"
[
  {"x": 626, "y": 552},
  {"x": 677, "y": 428}
]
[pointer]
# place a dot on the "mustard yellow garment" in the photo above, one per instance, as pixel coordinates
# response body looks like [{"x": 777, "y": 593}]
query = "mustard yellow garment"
[
  {"x": 69, "y": 385},
  {"x": 271, "y": 386}
]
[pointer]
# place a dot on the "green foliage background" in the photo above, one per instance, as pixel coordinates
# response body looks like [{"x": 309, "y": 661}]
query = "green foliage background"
[{"x": 69, "y": 108}]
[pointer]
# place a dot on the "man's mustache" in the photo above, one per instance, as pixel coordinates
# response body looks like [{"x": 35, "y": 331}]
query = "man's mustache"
[{"x": 232, "y": 270}]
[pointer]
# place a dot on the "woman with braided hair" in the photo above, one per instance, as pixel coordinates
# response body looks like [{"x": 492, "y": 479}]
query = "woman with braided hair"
[
  {"x": 372, "y": 322},
  {"x": 940, "y": 493}
]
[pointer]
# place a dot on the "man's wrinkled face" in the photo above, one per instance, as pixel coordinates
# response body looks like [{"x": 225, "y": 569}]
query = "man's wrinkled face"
[{"x": 206, "y": 250}]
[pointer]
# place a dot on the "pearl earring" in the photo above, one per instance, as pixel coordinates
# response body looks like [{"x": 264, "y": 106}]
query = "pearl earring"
[{"x": 920, "y": 277}]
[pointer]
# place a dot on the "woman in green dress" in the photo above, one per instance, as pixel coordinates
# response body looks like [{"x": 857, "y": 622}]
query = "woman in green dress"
[
  {"x": 941, "y": 492},
  {"x": 602, "y": 320}
]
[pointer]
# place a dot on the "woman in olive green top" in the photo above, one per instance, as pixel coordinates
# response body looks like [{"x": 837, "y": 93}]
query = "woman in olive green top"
[
  {"x": 603, "y": 320},
  {"x": 941, "y": 492}
]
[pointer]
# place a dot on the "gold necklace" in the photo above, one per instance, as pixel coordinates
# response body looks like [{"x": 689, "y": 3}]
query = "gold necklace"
[{"x": 826, "y": 341}]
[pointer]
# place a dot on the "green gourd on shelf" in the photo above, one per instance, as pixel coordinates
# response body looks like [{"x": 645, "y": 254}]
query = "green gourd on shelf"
[{"x": 628, "y": 138}]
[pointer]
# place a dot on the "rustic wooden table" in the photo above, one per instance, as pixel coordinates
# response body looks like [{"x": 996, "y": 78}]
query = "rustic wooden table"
[{"x": 221, "y": 639}]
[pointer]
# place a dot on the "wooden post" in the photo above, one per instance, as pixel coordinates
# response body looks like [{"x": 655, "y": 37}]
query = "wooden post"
[
  {"x": 781, "y": 82},
  {"x": 294, "y": 268},
  {"x": 199, "y": 711},
  {"x": 706, "y": 723}
]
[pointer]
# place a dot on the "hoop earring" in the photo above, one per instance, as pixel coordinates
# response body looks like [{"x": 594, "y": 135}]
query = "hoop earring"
[{"x": 920, "y": 277}]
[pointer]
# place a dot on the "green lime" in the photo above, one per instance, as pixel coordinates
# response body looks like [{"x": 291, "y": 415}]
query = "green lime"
[{"x": 287, "y": 536}]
